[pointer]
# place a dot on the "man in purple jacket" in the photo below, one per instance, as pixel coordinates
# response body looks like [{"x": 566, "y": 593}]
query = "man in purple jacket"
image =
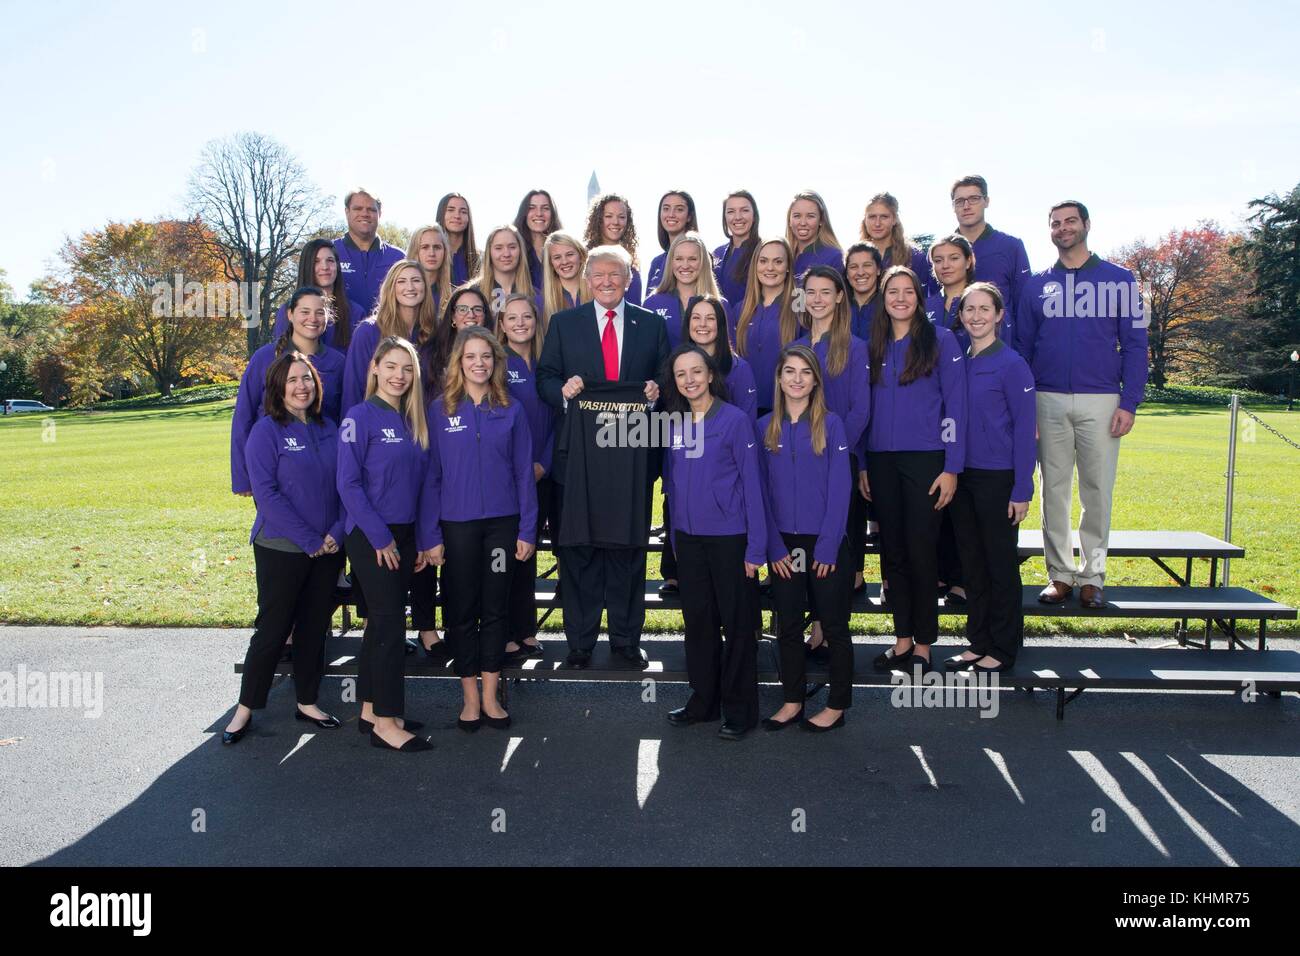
[
  {"x": 999, "y": 258},
  {"x": 364, "y": 258},
  {"x": 1082, "y": 328}
]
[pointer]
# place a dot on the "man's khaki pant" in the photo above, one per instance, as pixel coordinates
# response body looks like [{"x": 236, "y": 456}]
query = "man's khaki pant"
[{"x": 1074, "y": 431}]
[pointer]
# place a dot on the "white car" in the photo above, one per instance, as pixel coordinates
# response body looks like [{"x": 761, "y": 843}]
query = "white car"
[{"x": 13, "y": 406}]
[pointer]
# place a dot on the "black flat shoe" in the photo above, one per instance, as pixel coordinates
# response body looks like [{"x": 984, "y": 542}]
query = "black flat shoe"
[
  {"x": 364, "y": 726},
  {"x": 669, "y": 588},
  {"x": 924, "y": 663},
  {"x": 328, "y": 722},
  {"x": 437, "y": 652},
  {"x": 959, "y": 663},
  {"x": 771, "y": 723},
  {"x": 235, "y": 736},
  {"x": 469, "y": 726},
  {"x": 526, "y": 651},
  {"x": 732, "y": 732},
  {"x": 500, "y": 723},
  {"x": 414, "y": 745},
  {"x": 956, "y": 600},
  {"x": 578, "y": 660},
  {"x": 681, "y": 717},
  {"x": 812, "y": 728},
  {"x": 1001, "y": 668},
  {"x": 889, "y": 661}
]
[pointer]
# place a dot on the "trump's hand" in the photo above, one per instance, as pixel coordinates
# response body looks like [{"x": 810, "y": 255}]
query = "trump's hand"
[
  {"x": 652, "y": 391},
  {"x": 572, "y": 387}
]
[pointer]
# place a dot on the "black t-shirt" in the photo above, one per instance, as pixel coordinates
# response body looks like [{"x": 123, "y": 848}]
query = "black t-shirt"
[{"x": 606, "y": 478}]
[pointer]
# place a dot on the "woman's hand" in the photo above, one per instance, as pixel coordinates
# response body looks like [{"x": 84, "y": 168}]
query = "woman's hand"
[
  {"x": 946, "y": 485},
  {"x": 388, "y": 557},
  {"x": 823, "y": 570},
  {"x": 524, "y": 550},
  {"x": 1016, "y": 511},
  {"x": 864, "y": 486},
  {"x": 331, "y": 546},
  {"x": 783, "y": 568},
  {"x": 538, "y": 472},
  {"x": 751, "y": 570}
]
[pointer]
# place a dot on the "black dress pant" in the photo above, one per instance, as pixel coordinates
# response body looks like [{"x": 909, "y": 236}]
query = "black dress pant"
[
  {"x": 523, "y": 585},
  {"x": 668, "y": 559},
  {"x": 829, "y": 599},
  {"x": 381, "y": 666},
  {"x": 596, "y": 579},
  {"x": 989, "y": 545},
  {"x": 719, "y": 598},
  {"x": 424, "y": 599},
  {"x": 476, "y": 591},
  {"x": 949, "y": 555},
  {"x": 857, "y": 529},
  {"x": 909, "y": 532},
  {"x": 295, "y": 594}
]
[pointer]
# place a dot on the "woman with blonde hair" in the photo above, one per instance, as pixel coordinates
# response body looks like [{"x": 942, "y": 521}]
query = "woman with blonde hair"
[
  {"x": 382, "y": 459},
  {"x": 689, "y": 273},
  {"x": 521, "y": 335},
  {"x": 809, "y": 233},
  {"x": 405, "y": 311},
  {"x": 564, "y": 285},
  {"x": 609, "y": 223},
  {"x": 882, "y": 227},
  {"x": 430, "y": 247},
  {"x": 767, "y": 321},
  {"x": 504, "y": 268},
  {"x": 481, "y": 499}
]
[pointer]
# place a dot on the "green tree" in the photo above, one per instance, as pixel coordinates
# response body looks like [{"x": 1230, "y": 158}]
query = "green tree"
[{"x": 1270, "y": 251}]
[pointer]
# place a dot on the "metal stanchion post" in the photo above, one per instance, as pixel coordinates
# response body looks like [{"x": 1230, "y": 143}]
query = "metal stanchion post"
[{"x": 1232, "y": 474}]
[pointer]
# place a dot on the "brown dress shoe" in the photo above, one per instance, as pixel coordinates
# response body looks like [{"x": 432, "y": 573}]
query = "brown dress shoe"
[
  {"x": 1055, "y": 593},
  {"x": 1090, "y": 596}
]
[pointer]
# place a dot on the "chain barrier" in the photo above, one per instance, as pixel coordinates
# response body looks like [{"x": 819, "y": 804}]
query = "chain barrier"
[{"x": 1269, "y": 428}]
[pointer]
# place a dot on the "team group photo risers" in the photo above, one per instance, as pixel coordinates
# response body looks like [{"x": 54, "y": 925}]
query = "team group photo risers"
[{"x": 461, "y": 388}]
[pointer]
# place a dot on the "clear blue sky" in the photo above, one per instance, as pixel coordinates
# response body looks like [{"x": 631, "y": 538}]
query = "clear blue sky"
[{"x": 1155, "y": 115}]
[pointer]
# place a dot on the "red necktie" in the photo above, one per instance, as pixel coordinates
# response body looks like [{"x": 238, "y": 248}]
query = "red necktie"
[{"x": 609, "y": 347}]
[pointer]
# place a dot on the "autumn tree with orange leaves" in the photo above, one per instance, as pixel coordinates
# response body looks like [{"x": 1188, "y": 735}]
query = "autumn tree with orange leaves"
[
  {"x": 1191, "y": 284},
  {"x": 148, "y": 297}
]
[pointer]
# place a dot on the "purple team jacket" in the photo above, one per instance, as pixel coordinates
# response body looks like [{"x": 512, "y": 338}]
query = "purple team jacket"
[
  {"x": 480, "y": 466},
  {"x": 763, "y": 347},
  {"x": 950, "y": 319},
  {"x": 742, "y": 387},
  {"x": 806, "y": 493},
  {"x": 249, "y": 408},
  {"x": 364, "y": 272},
  {"x": 381, "y": 471},
  {"x": 291, "y": 468},
  {"x": 816, "y": 255},
  {"x": 919, "y": 416},
  {"x": 1084, "y": 331},
  {"x": 541, "y": 417},
  {"x": 1002, "y": 260},
  {"x": 732, "y": 276},
  {"x": 717, "y": 492},
  {"x": 848, "y": 394},
  {"x": 1001, "y": 415}
]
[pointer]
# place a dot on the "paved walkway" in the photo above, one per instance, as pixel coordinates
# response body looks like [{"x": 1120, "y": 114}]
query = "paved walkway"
[{"x": 592, "y": 773}]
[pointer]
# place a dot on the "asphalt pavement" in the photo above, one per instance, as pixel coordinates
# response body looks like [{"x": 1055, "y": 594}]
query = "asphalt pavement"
[{"x": 591, "y": 773}]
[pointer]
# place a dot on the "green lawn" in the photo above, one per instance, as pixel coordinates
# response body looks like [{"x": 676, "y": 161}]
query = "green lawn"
[{"x": 126, "y": 517}]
